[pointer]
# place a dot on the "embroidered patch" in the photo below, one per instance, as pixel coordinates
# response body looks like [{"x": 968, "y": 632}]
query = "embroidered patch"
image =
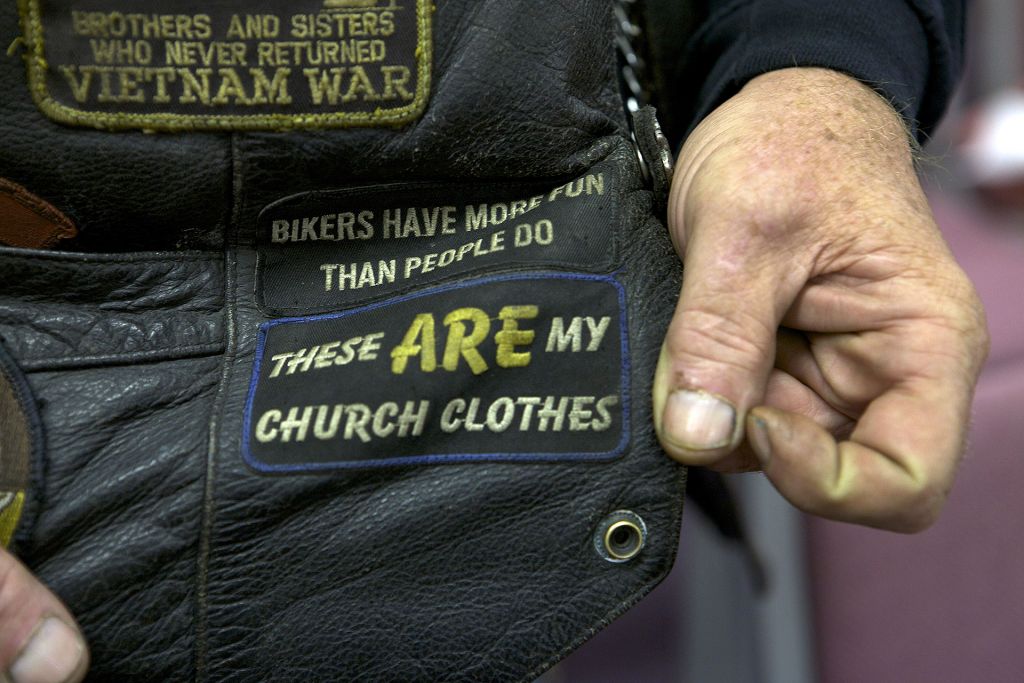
[
  {"x": 325, "y": 251},
  {"x": 21, "y": 445},
  {"x": 183, "y": 65},
  {"x": 513, "y": 368}
]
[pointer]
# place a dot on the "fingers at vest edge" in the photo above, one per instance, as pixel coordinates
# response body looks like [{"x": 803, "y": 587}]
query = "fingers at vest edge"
[
  {"x": 39, "y": 639},
  {"x": 843, "y": 481}
]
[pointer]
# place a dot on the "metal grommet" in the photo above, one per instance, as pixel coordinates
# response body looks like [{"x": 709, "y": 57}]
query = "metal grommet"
[{"x": 620, "y": 536}]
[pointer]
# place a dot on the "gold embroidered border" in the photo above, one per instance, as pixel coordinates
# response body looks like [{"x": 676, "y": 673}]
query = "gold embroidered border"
[
  {"x": 10, "y": 514},
  {"x": 32, "y": 28}
]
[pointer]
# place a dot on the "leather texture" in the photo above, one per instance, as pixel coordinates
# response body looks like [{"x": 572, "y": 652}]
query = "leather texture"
[{"x": 182, "y": 563}]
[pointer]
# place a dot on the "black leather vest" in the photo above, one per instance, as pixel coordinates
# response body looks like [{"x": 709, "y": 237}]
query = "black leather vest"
[{"x": 335, "y": 391}]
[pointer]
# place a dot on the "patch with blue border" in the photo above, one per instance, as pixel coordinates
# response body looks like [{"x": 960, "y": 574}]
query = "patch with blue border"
[{"x": 521, "y": 367}]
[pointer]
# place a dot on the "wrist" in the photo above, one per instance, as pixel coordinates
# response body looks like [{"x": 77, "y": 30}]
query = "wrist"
[{"x": 848, "y": 108}]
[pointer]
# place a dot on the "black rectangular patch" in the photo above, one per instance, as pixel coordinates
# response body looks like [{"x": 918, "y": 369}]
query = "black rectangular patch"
[
  {"x": 186, "y": 65},
  {"x": 325, "y": 251},
  {"x": 510, "y": 368}
]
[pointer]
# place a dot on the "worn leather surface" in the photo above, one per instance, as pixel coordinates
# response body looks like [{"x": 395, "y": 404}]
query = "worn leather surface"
[{"x": 183, "y": 564}]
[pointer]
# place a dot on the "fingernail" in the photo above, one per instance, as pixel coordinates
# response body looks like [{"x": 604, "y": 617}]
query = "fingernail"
[
  {"x": 698, "y": 421},
  {"x": 52, "y": 655},
  {"x": 759, "y": 440}
]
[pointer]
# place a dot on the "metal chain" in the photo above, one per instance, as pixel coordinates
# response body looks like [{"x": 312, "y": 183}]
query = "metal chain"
[
  {"x": 631, "y": 69},
  {"x": 631, "y": 65},
  {"x": 656, "y": 171}
]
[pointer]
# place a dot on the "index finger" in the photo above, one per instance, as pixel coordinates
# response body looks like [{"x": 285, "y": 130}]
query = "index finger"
[{"x": 894, "y": 472}]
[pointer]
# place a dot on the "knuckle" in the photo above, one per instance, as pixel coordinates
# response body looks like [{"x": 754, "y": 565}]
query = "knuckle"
[
  {"x": 739, "y": 339},
  {"x": 919, "y": 509},
  {"x": 823, "y": 503},
  {"x": 916, "y": 520},
  {"x": 977, "y": 325},
  {"x": 954, "y": 315},
  {"x": 967, "y": 306},
  {"x": 835, "y": 500}
]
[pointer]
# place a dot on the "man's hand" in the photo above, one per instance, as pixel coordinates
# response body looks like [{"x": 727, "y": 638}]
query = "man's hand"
[
  {"x": 824, "y": 332},
  {"x": 39, "y": 640}
]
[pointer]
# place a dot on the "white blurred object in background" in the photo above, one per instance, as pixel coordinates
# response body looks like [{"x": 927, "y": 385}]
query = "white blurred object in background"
[{"x": 994, "y": 148}]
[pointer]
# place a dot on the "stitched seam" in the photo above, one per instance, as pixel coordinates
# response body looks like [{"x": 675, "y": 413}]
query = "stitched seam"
[
  {"x": 112, "y": 360},
  {"x": 82, "y": 259},
  {"x": 42, "y": 208},
  {"x": 230, "y": 352}
]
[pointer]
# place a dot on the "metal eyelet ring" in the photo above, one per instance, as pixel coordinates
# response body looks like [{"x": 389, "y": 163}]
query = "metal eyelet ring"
[{"x": 620, "y": 537}]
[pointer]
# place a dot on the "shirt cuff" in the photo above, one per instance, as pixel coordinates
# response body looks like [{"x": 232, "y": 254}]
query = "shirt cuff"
[{"x": 896, "y": 47}]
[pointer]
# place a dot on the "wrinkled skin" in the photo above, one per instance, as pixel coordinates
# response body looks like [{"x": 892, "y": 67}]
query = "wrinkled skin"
[
  {"x": 794, "y": 204},
  {"x": 824, "y": 332}
]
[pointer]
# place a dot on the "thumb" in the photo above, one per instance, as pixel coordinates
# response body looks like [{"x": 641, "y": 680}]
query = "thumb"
[
  {"x": 720, "y": 345},
  {"x": 39, "y": 640}
]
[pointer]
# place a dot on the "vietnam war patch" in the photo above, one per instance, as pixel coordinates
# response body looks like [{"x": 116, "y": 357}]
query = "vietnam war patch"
[
  {"x": 328, "y": 250},
  {"x": 187, "y": 65},
  {"x": 510, "y": 368}
]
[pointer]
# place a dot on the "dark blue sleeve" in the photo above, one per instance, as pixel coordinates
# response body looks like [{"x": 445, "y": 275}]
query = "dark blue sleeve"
[{"x": 911, "y": 51}]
